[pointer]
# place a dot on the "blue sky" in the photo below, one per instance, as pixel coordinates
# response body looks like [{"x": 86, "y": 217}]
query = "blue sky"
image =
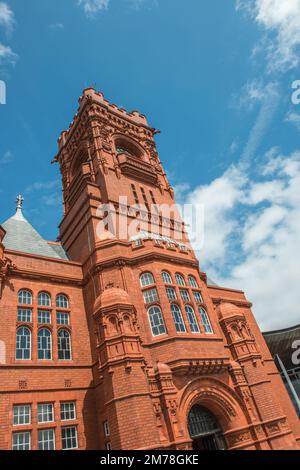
[{"x": 214, "y": 76}]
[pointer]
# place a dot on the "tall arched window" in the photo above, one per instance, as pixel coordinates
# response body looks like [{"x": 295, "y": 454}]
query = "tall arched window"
[
  {"x": 192, "y": 319},
  {"x": 23, "y": 343},
  {"x": 179, "y": 279},
  {"x": 64, "y": 345},
  {"x": 62, "y": 301},
  {"x": 193, "y": 282},
  {"x": 205, "y": 320},
  {"x": 44, "y": 299},
  {"x": 178, "y": 320},
  {"x": 166, "y": 277},
  {"x": 24, "y": 297},
  {"x": 157, "y": 322},
  {"x": 146, "y": 279},
  {"x": 44, "y": 344}
]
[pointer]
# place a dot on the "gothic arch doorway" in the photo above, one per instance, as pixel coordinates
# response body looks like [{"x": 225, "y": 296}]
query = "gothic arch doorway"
[{"x": 205, "y": 429}]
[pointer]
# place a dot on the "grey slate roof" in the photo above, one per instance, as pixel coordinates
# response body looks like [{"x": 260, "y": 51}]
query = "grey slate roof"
[{"x": 21, "y": 236}]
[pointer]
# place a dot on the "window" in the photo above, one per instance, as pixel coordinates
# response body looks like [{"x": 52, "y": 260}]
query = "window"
[
  {"x": 67, "y": 411},
  {"x": 44, "y": 317},
  {"x": 64, "y": 345},
  {"x": 21, "y": 415},
  {"x": 156, "y": 321},
  {"x": 25, "y": 315},
  {"x": 45, "y": 413},
  {"x": 44, "y": 344},
  {"x": 179, "y": 279},
  {"x": 24, "y": 297},
  {"x": 106, "y": 429},
  {"x": 198, "y": 297},
  {"x": 108, "y": 446},
  {"x": 145, "y": 198},
  {"x": 193, "y": 282},
  {"x": 69, "y": 438},
  {"x": 205, "y": 321},
  {"x": 146, "y": 279},
  {"x": 171, "y": 293},
  {"x": 46, "y": 439},
  {"x": 150, "y": 296},
  {"x": 135, "y": 195},
  {"x": 192, "y": 319},
  {"x": 62, "y": 301},
  {"x": 23, "y": 343},
  {"x": 178, "y": 320},
  {"x": 44, "y": 299},
  {"x": 62, "y": 318},
  {"x": 184, "y": 294},
  {"x": 166, "y": 277},
  {"x": 21, "y": 441}
]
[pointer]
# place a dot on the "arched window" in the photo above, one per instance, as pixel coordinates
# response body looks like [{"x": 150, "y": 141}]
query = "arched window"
[
  {"x": 193, "y": 282},
  {"x": 179, "y": 279},
  {"x": 44, "y": 299},
  {"x": 23, "y": 343},
  {"x": 24, "y": 297},
  {"x": 62, "y": 301},
  {"x": 64, "y": 345},
  {"x": 44, "y": 344},
  {"x": 178, "y": 320},
  {"x": 146, "y": 279},
  {"x": 166, "y": 277},
  {"x": 157, "y": 322},
  {"x": 205, "y": 320},
  {"x": 192, "y": 319}
]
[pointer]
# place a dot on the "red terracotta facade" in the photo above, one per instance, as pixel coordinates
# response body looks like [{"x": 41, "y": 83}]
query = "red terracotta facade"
[{"x": 132, "y": 390}]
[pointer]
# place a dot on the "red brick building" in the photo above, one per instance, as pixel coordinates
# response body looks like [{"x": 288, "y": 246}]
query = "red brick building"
[{"x": 122, "y": 342}]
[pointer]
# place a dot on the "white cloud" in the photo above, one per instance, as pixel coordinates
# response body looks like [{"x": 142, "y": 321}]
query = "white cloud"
[
  {"x": 7, "y": 54},
  {"x": 91, "y": 7},
  {"x": 280, "y": 20},
  {"x": 6, "y": 17},
  {"x": 6, "y": 158},
  {"x": 42, "y": 186},
  {"x": 252, "y": 235},
  {"x": 293, "y": 118},
  {"x": 56, "y": 26}
]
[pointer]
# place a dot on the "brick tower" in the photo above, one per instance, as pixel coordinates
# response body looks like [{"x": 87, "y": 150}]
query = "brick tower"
[{"x": 177, "y": 361}]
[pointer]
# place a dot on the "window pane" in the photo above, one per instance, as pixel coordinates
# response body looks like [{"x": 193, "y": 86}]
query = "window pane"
[
  {"x": 69, "y": 438},
  {"x": 62, "y": 301},
  {"x": 62, "y": 318},
  {"x": 44, "y": 317},
  {"x": 46, "y": 439},
  {"x": 21, "y": 441},
  {"x": 192, "y": 319},
  {"x": 171, "y": 293},
  {"x": 198, "y": 297},
  {"x": 44, "y": 299},
  {"x": 44, "y": 344},
  {"x": 67, "y": 411},
  {"x": 21, "y": 415},
  {"x": 25, "y": 315},
  {"x": 24, "y": 297},
  {"x": 150, "y": 296},
  {"x": 146, "y": 279},
  {"x": 178, "y": 320},
  {"x": 193, "y": 282},
  {"x": 23, "y": 343},
  {"x": 156, "y": 321},
  {"x": 45, "y": 413},
  {"x": 205, "y": 321},
  {"x": 179, "y": 279},
  {"x": 64, "y": 345},
  {"x": 184, "y": 295},
  {"x": 166, "y": 277}
]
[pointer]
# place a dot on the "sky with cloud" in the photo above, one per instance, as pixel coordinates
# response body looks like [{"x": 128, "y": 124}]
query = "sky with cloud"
[{"x": 215, "y": 76}]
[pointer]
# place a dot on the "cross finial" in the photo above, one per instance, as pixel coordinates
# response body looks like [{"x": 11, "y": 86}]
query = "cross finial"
[{"x": 19, "y": 202}]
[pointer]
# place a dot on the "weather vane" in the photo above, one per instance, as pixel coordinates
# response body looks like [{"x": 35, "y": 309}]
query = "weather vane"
[{"x": 20, "y": 201}]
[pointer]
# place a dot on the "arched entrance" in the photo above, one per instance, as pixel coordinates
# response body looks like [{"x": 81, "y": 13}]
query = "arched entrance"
[{"x": 205, "y": 430}]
